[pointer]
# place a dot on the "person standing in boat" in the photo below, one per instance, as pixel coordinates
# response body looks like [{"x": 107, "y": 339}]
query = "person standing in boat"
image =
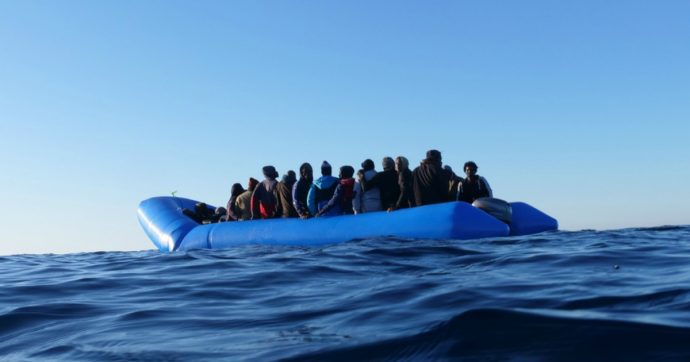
[
  {"x": 265, "y": 198},
  {"x": 343, "y": 195},
  {"x": 473, "y": 186},
  {"x": 232, "y": 212},
  {"x": 300, "y": 190},
  {"x": 387, "y": 183},
  {"x": 430, "y": 180},
  {"x": 284, "y": 190},
  {"x": 406, "y": 195},
  {"x": 244, "y": 201},
  {"x": 322, "y": 190},
  {"x": 366, "y": 200}
]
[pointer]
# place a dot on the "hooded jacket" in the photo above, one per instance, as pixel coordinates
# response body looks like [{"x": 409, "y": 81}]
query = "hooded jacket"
[
  {"x": 320, "y": 192},
  {"x": 430, "y": 183}
]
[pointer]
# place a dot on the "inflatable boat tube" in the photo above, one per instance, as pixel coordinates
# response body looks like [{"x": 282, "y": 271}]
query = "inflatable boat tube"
[{"x": 170, "y": 230}]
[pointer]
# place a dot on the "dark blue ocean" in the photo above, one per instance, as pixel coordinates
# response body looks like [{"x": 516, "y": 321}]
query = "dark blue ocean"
[{"x": 603, "y": 295}]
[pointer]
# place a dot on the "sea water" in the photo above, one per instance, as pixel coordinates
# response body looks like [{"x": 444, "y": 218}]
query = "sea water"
[{"x": 606, "y": 295}]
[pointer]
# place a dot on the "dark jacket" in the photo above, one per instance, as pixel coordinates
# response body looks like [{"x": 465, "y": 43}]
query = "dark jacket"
[
  {"x": 430, "y": 182},
  {"x": 406, "y": 196},
  {"x": 470, "y": 190},
  {"x": 342, "y": 198},
  {"x": 300, "y": 191}
]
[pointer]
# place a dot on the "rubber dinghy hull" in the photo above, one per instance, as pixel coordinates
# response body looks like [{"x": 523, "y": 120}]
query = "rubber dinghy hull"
[{"x": 170, "y": 230}]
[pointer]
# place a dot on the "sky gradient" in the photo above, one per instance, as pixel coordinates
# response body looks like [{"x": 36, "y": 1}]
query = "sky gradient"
[{"x": 581, "y": 109}]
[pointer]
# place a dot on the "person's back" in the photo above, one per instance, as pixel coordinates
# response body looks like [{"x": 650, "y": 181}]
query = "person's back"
[
  {"x": 264, "y": 199},
  {"x": 322, "y": 190},
  {"x": 405, "y": 183},
  {"x": 244, "y": 201},
  {"x": 284, "y": 191},
  {"x": 366, "y": 199},
  {"x": 387, "y": 180},
  {"x": 430, "y": 180},
  {"x": 300, "y": 191},
  {"x": 341, "y": 202},
  {"x": 473, "y": 186}
]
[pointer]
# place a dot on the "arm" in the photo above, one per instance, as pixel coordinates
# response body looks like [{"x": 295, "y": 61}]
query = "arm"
[
  {"x": 231, "y": 214},
  {"x": 368, "y": 185},
  {"x": 403, "y": 190},
  {"x": 489, "y": 192},
  {"x": 356, "y": 201},
  {"x": 332, "y": 202},
  {"x": 311, "y": 200},
  {"x": 254, "y": 204}
]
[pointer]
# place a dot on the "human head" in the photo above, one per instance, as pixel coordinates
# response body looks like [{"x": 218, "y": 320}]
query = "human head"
[
  {"x": 326, "y": 169},
  {"x": 270, "y": 172},
  {"x": 289, "y": 178},
  {"x": 252, "y": 184},
  {"x": 388, "y": 163},
  {"x": 401, "y": 163},
  {"x": 202, "y": 209},
  {"x": 470, "y": 168},
  {"x": 449, "y": 169},
  {"x": 305, "y": 171},
  {"x": 236, "y": 189},
  {"x": 368, "y": 164},
  {"x": 346, "y": 172},
  {"x": 433, "y": 156}
]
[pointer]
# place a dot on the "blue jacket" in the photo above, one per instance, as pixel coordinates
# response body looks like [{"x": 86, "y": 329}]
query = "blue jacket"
[{"x": 320, "y": 192}]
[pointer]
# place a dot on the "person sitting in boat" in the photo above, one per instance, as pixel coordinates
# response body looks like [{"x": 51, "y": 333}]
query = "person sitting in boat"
[
  {"x": 244, "y": 201},
  {"x": 322, "y": 190},
  {"x": 341, "y": 202},
  {"x": 300, "y": 190},
  {"x": 387, "y": 183},
  {"x": 265, "y": 198},
  {"x": 430, "y": 180},
  {"x": 202, "y": 213},
  {"x": 284, "y": 191},
  {"x": 406, "y": 196},
  {"x": 366, "y": 200},
  {"x": 473, "y": 186},
  {"x": 232, "y": 212}
]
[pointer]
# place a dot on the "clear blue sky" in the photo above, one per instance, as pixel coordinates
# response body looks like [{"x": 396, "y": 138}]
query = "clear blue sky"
[{"x": 581, "y": 108}]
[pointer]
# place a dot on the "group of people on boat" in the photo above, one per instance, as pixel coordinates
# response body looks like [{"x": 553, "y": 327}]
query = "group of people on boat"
[{"x": 396, "y": 187}]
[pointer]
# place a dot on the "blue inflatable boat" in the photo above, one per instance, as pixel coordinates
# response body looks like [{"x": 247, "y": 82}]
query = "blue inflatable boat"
[{"x": 170, "y": 229}]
